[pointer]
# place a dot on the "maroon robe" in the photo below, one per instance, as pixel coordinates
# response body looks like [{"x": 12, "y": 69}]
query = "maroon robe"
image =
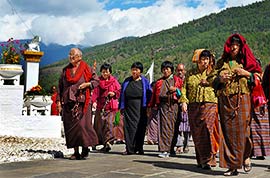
[{"x": 77, "y": 120}]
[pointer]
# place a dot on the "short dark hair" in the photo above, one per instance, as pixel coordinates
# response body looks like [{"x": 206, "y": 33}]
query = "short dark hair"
[
  {"x": 106, "y": 66},
  {"x": 205, "y": 53},
  {"x": 137, "y": 65},
  {"x": 166, "y": 64}
]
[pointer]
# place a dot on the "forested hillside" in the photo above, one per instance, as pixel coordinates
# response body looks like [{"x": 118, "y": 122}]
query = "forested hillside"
[{"x": 178, "y": 43}]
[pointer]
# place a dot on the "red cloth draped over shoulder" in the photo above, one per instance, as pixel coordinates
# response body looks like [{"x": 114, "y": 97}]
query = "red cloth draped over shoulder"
[
  {"x": 249, "y": 61},
  {"x": 83, "y": 70},
  {"x": 178, "y": 83}
]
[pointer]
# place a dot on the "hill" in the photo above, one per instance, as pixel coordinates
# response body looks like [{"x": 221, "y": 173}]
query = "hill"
[{"x": 178, "y": 43}]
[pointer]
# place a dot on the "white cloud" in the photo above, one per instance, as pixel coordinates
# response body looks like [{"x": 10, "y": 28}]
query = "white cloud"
[{"x": 86, "y": 22}]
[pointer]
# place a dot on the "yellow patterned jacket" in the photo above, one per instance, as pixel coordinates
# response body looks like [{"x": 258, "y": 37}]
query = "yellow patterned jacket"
[
  {"x": 194, "y": 92},
  {"x": 237, "y": 84}
]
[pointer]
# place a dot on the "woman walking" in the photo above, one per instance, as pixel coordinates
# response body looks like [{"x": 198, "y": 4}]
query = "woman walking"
[
  {"x": 105, "y": 97},
  {"x": 235, "y": 72},
  {"x": 134, "y": 98}
]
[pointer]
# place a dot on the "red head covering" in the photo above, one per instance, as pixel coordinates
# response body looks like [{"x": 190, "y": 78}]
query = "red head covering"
[{"x": 249, "y": 61}]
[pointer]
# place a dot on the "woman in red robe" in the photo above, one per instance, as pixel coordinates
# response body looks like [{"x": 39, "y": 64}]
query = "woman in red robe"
[{"x": 76, "y": 82}]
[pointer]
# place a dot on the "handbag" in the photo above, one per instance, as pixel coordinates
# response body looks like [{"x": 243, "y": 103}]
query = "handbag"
[
  {"x": 257, "y": 94},
  {"x": 117, "y": 118}
]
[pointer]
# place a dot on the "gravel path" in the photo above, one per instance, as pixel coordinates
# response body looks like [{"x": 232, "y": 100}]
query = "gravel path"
[{"x": 14, "y": 149}]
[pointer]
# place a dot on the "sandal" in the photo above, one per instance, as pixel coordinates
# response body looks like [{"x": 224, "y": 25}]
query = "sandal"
[
  {"x": 247, "y": 166},
  {"x": 85, "y": 152},
  {"x": 231, "y": 172},
  {"x": 75, "y": 156},
  {"x": 186, "y": 150}
]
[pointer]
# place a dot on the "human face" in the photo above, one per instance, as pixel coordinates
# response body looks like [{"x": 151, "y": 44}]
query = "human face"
[
  {"x": 180, "y": 70},
  {"x": 74, "y": 57},
  {"x": 136, "y": 73},
  {"x": 203, "y": 62},
  {"x": 53, "y": 89},
  {"x": 235, "y": 48},
  {"x": 166, "y": 72},
  {"x": 105, "y": 73}
]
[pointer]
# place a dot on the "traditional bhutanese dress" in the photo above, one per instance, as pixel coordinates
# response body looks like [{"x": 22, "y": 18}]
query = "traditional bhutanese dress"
[
  {"x": 106, "y": 109},
  {"x": 234, "y": 111},
  {"x": 76, "y": 106},
  {"x": 135, "y": 96},
  {"x": 167, "y": 104},
  {"x": 202, "y": 113},
  {"x": 235, "y": 105},
  {"x": 260, "y": 129}
]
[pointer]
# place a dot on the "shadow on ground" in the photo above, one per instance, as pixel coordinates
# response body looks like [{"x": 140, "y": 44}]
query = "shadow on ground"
[{"x": 186, "y": 167}]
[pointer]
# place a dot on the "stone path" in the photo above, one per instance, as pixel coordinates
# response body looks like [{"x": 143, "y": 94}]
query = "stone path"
[{"x": 116, "y": 165}]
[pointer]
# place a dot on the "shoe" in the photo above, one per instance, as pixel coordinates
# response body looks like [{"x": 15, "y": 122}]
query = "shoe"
[
  {"x": 247, "y": 167},
  {"x": 75, "y": 156},
  {"x": 206, "y": 166},
  {"x": 139, "y": 151},
  {"x": 186, "y": 150},
  {"x": 164, "y": 155},
  {"x": 126, "y": 153},
  {"x": 85, "y": 152},
  {"x": 260, "y": 157},
  {"x": 231, "y": 172},
  {"x": 172, "y": 153},
  {"x": 105, "y": 149}
]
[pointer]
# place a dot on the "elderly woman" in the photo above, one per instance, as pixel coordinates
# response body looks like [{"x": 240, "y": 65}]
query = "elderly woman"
[
  {"x": 135, "y": 95},
  {"x": 202, "y": 110},
  {"x": 235, "y": 72},
  {"x": 76, "y": 82},
  {"x": 105, "y": 99},
  {"x": 166, "y": 93}
]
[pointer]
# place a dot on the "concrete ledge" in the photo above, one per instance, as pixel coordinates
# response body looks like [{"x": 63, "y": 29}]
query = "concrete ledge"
[{"x": 31, "y": 126}]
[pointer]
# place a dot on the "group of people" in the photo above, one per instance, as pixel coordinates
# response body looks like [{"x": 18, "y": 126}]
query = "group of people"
[{"x": 221, "y": 104}]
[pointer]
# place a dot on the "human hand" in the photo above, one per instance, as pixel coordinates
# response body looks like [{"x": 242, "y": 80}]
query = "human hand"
[
  {"x": 241, "y": 72},
  {"x": 111, "y": 94},
  {"x": 184, "y": 107},
  {"x": 59, "y": 107},
  {"x": 204, "y": 82},
  {"x": 94, "y": 106},
  {"x": 172, "y": 89},
  {"x": 84, "y": 85},
  {"x": 225, "y": 77}
]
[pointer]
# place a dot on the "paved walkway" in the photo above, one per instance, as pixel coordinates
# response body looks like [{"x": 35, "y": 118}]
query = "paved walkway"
[{"x": 116, "y": 165}]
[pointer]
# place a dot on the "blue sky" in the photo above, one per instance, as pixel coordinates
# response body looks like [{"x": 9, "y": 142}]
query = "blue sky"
[
  {"x": 93, "y": 22},
  {"x": 126, "y": 4}
]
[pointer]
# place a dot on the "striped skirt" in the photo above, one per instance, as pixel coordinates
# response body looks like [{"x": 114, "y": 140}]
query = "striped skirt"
[
  {"x": 235, "y": 141},
  {"x": 202, "y": 118},
  {"x": 260, "y": 131}
]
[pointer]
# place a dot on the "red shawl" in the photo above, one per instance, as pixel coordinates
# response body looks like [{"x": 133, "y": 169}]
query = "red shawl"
[
  {"x": 84, "y": 70},
  {"x": 105, "y": 84},
  {"x": 178, "y": 83},
  {"x": 249, "y": 61}
]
